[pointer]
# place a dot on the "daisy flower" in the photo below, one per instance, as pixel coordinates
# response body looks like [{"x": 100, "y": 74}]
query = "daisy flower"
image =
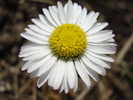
[{"x": 65, "y": 42}]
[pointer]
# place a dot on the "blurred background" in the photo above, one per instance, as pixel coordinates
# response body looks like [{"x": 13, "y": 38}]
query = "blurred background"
[{"x": 15, "y": 15}]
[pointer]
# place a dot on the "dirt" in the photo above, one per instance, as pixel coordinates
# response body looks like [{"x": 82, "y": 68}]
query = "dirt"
[{"x": 15, "y": 84}]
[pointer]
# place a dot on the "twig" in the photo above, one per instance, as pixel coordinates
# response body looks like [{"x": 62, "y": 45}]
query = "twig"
[
  {"x": 34, "y": 94},
  {"x": 44, "y": 1},
  {"x": 85, "y": 4},
  {"x": 74, "y": 95},
  {"x": 41, "y": 95},
  {"x": 107, "y": 95},
  {"x": 24, "y": 87},
  {"x": 15, "y": 79},
  {"x": 124, "y": 88},
  {"x": 84, "y": 92},
  {"x": 102, "y": 87},
  {"x": 124, "y": 50}
]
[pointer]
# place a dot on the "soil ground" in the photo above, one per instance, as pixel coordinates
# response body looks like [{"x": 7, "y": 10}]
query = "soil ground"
[{"x": 15, "y": 84}]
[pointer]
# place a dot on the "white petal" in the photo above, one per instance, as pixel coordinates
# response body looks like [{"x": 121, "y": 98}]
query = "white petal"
[
  {"x": 111, "y": 40},
  {"x": 62, "y": 87},
  {"x": 60, "y": 71},
  {"x": 39, "y": 30},
  {"x": 104, "y": 43},
  {"x": 26, "y": 65},
  {"x": 105, "y": 31},
  {"x": 76, "y": 12},
  {"x": 33, "y": 63},
  {"x": 46, "y": 22},
  {"x": 66, "y": 89},
  {"x": 34, "y": 46},
  {"x": 55, "y": 77},
  {"x": 47, "y": 65},
  {"x": 49, "y": 17},
  {"x": 86, "y": 21},
  {"x": 65, "y": 82},
  {"x": 91, "y": 22},
  {"x": 61, "y": 13},
  {"x": 38, "y": 63},
  {"x": 82, "y": 73},
  {"x": 38, "y": 55},
  {"x": 81, "y": 17},
  {"x": 92, "y": 73},
  {"x": 99, "y": 37},
  {"x": 97, "y": 61},
  {"x": 76, "y": 84},
  {"x": 52, "y": 75},
  {"x": 71, "y": 73},
  {"x": 79, "y": 10},
  {"x": 97, "y": 28},
  {"x": 39, "y": 36},
  {"x": 65, "y": 8},
  {"x": 69, "y": 12},
  {"x": 34, "y": 73},
  {"x": 93, "y": 66},
  {"x": 102, "y": 49},
  {"x": 32, "y": 38},
  {"x": 42, "y": 79},
  {"x": 101, "y": 56},
  {"x": 40, "y": 25},
  {"x": 54, "y": 16},
  {"x": 29, "y": 52},
  {"x": 55, "y": 8}
]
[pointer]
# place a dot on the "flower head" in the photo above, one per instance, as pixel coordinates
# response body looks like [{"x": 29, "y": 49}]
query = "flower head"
[{"x": 66, "y": 42}]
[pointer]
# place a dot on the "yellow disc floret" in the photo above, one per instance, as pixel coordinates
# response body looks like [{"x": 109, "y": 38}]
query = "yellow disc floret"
[{"x": 68, "y": 41}]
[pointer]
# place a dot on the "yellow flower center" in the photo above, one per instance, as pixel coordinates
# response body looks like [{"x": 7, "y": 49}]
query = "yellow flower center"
[{"x": 68, "y": 41}]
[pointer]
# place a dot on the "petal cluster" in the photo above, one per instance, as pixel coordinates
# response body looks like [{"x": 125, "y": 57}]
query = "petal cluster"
[{"x": 60, "y": 74}]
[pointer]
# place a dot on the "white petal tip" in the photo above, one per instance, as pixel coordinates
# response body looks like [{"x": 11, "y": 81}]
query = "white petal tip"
[
  {"x": 97, "y": 14},
  {"x": 26, "y": 29},
  {"x": 30, "y": 25},
  {"x": 88, "y": 87},
  {"x": 58, "y": 3},
  {"x": 74, "y": 90},
  {"x": 69, "y": 1},
  {"x": 71, "y": 87},
  {"x": 22, "y": 34},
  {"x": 109, "y": 66},
  {"x": 114, "y": 52},
  {"x": 115, "y": 44},
  {"x": 98, "y": 80},
  {"x": 29, "y": 71},
  {"x": 19, "y": 55},
  {"x": 40, "y": 15},
  {"x": 60, "y": 91},
  {"x": 38, "y": 86},
  {"x": 113, "y": 35},
  {"x": 104, "y": 73},
  {"x": 66, "y": 92},
  {"x": 44, "y": 9},
  {"x": 105, "y": 23},
  {"x": 55, "y": 88},
  {"x": 39, "y": 74},
  {"x": 33, "y": 19},
  {"x": 23, "y": 69}
]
